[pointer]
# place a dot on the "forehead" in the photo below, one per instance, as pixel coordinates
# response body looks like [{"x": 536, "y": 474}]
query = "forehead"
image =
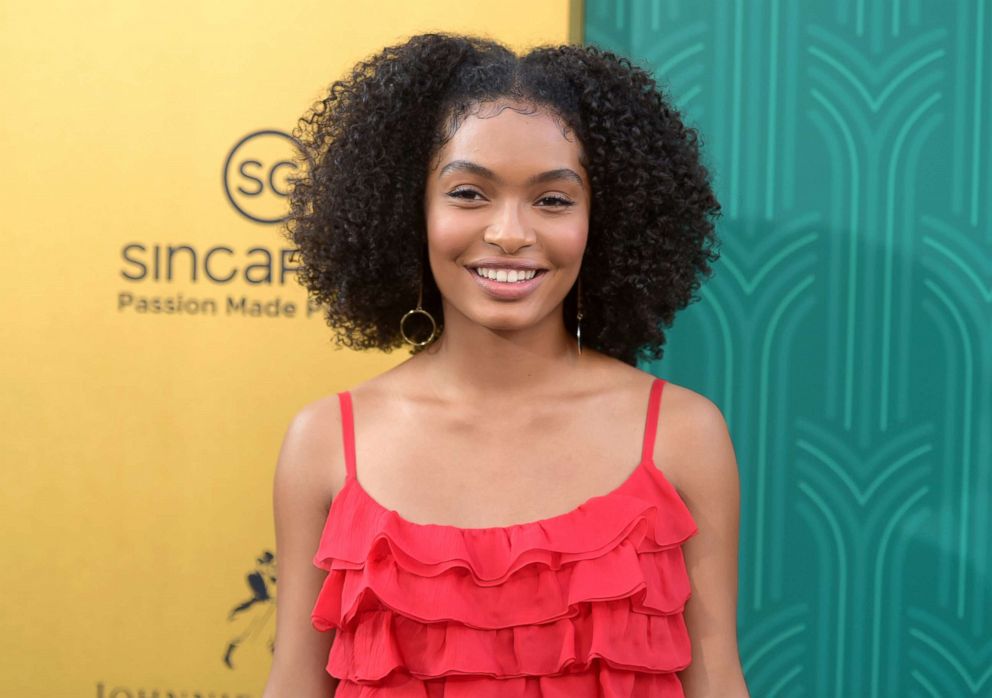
[{"x": 512, "y": 135}]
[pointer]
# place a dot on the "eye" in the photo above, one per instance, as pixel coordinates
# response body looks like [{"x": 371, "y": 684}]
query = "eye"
[
  {"x": 459, "y": 194},
  {"x": 470, "y": 194},
  {"x": 559, "y": 201}
]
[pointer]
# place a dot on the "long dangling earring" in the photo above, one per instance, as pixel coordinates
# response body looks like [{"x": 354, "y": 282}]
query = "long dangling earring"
[
  {"x": 578, "y": 315},
  {"x": 419, "y": 309}
]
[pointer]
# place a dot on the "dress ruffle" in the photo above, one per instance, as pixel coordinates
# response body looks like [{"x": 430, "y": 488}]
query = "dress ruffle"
[
  {"x": 384, "y": 641},
  {"x": 590, "y": 602},
  {"x": 596, "y": 679}
]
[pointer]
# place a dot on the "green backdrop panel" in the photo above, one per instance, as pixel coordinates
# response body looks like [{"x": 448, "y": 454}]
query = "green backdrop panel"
[{"x": 847, "y": 331}]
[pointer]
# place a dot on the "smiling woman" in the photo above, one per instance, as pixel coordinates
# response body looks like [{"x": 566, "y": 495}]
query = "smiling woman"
[
  {"x": 360, "y": 213},
  {"x": 539, "y": 221},
  {"x": 548, "y": 214}
]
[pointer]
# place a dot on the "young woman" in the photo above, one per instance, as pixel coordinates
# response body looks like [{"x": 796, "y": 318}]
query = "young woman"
[{"x": 513, "y": 510}]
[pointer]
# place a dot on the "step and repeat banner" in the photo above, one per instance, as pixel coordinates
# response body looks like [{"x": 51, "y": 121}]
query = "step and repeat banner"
[
  {"x": 156, "y": 340},
  {"x": 847, "y": 331}
]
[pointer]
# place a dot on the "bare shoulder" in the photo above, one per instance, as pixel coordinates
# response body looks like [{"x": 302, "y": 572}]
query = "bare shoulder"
[
  {"x": 688, "y": 422},
  {"x": 313, "y": 446},
  {"x": 693, "y": 445},
  {"x": 307, "y": 476},
  {"x": 315, "y": 432},
  {"x": 692, "y": 414}
]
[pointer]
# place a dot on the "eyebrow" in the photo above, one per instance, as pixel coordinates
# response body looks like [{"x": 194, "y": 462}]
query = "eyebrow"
[{"x": 477, "y": 169}]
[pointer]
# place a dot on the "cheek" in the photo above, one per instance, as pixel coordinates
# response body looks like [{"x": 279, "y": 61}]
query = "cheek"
[
  {"x": 447, "y": 237},
  {"x": 569, "y": 243}
]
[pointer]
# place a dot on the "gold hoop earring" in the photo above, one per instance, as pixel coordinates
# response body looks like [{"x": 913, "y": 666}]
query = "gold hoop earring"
[
  {"x": 578, "y": 315},
  {"x": 419, "y": 309}
]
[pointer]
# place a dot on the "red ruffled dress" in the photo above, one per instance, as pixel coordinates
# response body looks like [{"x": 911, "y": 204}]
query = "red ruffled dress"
[{"x": 587, "y": 603}]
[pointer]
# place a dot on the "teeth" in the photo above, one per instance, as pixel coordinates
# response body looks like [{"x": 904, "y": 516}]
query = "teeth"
[{"x": 507, "y": 276}]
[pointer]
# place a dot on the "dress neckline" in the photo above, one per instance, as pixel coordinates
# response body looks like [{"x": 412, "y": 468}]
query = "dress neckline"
[
  {"x": 641, "y": 465},
  {"x": 647, "y": 459}
]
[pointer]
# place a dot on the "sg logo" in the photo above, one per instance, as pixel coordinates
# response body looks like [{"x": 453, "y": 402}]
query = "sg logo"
[{"x": 257, "y": 175}]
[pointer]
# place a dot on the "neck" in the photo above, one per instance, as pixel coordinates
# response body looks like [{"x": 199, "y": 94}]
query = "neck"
[{"x": 474, "y": 364}]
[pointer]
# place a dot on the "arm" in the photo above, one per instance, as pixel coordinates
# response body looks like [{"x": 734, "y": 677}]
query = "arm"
[
  {"x": 308, "y": 472},
  {"x": 710, "y": 485}
]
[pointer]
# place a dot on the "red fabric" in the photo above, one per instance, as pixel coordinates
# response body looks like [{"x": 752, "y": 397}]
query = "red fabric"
[{"x": 587, "y": 603}]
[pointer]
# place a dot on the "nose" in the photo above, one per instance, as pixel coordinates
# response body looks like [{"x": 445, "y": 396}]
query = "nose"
[{"x": 510, "y": 230}]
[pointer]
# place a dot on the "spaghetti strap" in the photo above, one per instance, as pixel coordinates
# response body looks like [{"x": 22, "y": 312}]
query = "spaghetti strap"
[
  {"x": 651, "y": 423},
  {"x": 348, "y": 432}
]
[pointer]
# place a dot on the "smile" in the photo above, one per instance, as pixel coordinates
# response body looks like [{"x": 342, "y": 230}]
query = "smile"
[{"x": 505, "y": 289}]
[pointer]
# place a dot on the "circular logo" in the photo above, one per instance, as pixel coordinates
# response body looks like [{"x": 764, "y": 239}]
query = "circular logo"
[{"x": 257, "y": 175}]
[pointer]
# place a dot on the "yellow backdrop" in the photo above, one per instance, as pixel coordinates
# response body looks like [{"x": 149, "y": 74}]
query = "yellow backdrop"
[{"x": 147, "y": 389}]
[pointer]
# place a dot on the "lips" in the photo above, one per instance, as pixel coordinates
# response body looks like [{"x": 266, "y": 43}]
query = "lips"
[
  {"x": 497, "y": 263},
  {"x": 475, "y": 270},
  {"x": 507, "y": 290}
]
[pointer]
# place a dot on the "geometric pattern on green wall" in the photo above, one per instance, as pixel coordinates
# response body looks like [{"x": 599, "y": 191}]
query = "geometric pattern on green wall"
[{"x": 847, "y": 331}]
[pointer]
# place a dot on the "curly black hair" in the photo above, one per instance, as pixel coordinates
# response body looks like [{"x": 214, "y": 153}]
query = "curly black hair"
[{"x": 357, "y": 216}]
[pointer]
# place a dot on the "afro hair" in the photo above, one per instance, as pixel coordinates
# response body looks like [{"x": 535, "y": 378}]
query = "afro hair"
[{"x": 356, "y": 210}]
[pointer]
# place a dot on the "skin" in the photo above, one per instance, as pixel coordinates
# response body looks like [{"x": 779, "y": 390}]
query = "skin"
[
  {"x": 523, "y": 343},
  {"x": 520, "y": 412}
]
